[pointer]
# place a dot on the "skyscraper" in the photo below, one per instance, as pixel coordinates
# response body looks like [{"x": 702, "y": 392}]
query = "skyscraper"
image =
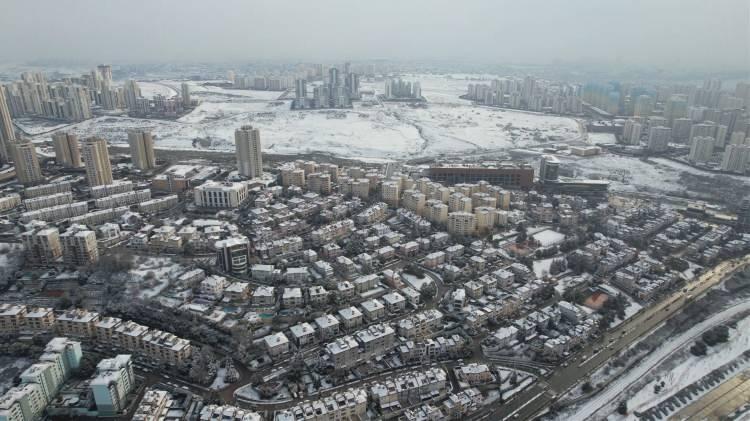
[
  {"x": 248, "y": 150},
  {"x": 658, "y": 138},
  {"x": 105, "y": 71},
  {"x": 132, "y": 93},
  {"x": 300, "y": 88},
  {"x": 736, "y": 158},
  {"x": 635, "y": 134},
  {"x": 676, "y": 107},
  {"x": 7, "y": 133},
  {"x": 142, "y": 149},
  {"x": 185, "y": 90},
  {"x": 701, "y": 149},
  {"x": 333, "y": 76},
  {"x": 643, "y": 106},
  {"x": 96, "y": 160},
  {"x": 28, "y": 170},
  {"x": 67, "y": 153}
]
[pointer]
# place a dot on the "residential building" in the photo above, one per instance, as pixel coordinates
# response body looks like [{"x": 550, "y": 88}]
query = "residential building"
[
  {"x": 96, "y": 160},
  {"x": 248, "y": 150},
  {"x": 114, "y": 380},
  {"x": 26, "y": 162},
  {"x": 142, "y": 149},
  {"x": 79, "y": 246},
  {"x": 67, "y": 151}
]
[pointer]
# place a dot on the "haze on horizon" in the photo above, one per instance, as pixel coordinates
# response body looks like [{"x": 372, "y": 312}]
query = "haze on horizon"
[{"x": 697, "y": 34}]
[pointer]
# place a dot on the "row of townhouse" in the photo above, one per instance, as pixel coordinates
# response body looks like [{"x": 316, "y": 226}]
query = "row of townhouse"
[{"x": 128, "y": 335}]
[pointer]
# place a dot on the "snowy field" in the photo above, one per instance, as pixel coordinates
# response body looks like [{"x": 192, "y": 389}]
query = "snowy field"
[
  {"x": 151, "y": 89},
  {"x": 548, "y": 237},
  {"x": 541, "y": 267},
  {"x": 390, "y": 131}
]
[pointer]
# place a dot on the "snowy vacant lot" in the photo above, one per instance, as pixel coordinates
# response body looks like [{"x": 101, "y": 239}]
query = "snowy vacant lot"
[
  {"x": 152, "y": 275},
  {"x": 393, "y": 130}
]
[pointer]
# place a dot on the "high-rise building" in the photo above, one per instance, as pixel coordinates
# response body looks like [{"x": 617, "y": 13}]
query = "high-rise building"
[
  {"x": 643, "y": 106},
  {"x": 658, "y": 138},
  {"x": 549, "y": 168},
  {"x": 26, "y": 162},
  {"x": 390, "y": 193},
  {"x": 681, "y": 129},
  {"x": 142, "y": 149},
  {"x": 701, "y": 149},
  {"x": 67, "y": 152},
  {"x": 736, "y": 158},
  {"x": 300, "y": 89},
  {"x": 707, "y": 129},
  {"x": 114, "y": 380},
  {"x": 185, "y": 91},
  {"x": 333, "y": 76},
  {"x": 105, "y": 71},
  {"x": 79, "y": 246},
  {"x": 462, "y": 223},
  {"x": 25, "y": 402},
  {"x": 42, "y": 246},
  {"x": 233, "y": 254},
  {"x": 676, "y": 107},
  {"x": 132, "y": 93},
  {"x": 635, "y": 134},
  {"x": 7, "y": 132},
  {"x": 69, "y": 351},
  {"x": 248, "y": 150},
  {"x": 96, "y": 160},
  {"x": 721, "y": 135},
  {"x": 738, "y": 138}
]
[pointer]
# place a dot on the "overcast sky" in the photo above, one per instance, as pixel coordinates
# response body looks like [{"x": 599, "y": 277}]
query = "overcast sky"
[{"x": 705, "y": 34}]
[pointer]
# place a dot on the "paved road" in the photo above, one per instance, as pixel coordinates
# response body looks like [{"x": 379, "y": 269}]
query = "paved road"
[{"x": 537, "y": 398}]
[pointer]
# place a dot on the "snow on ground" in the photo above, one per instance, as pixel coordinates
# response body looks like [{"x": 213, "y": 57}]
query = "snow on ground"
[
  {"x": 36, "y": 126},
  {"x": 632, "y": 174},
  {"x": 549, "y": 237},
  {"x": 151, "y": 89},
  {"x": 611, "y": 394},
  {"x": 11, "y": 259},
  {"x": 157, "y": 271},
  {"x": 595, "y": 137},
  {"x": 692, "y": 368},
  {"x": 414, "y": 282},
  {"x": 393, "y": 131},
  {"x": 10, "y": 367},
  {"x": 568, "y": 282},
  {"x": 626, "y": 173},
  {"x": 219, "y": 382},
  {"x": 676, "y": 166},
  {"x": 542, "y": 266}
]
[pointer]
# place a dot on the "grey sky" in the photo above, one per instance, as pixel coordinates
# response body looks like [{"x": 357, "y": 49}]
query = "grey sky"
[{"x": 705, "y": 34}]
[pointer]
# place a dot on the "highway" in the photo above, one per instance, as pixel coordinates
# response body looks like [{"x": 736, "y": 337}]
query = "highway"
[{"x": 535, "y": 399}]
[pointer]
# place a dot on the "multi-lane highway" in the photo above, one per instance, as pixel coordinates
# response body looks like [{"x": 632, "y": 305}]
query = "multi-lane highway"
[{"x": 538, "y": 397}]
